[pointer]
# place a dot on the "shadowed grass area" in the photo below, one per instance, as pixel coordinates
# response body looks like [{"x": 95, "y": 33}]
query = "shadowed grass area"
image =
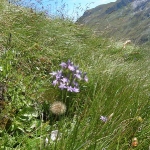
[{"x": 32, "y": 46}]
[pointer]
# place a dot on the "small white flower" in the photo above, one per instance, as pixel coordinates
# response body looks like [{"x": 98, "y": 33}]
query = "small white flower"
[
  {"x": 1, "y": 68},
  {"x": 55, "y": 135}
]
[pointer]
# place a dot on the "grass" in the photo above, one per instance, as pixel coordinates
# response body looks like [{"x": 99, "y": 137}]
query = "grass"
[{"x": 32, "y": 46}]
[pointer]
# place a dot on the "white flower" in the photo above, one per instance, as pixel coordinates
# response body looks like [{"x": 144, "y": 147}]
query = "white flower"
[
  {"x": 55, "y": 135},
  {"x": 1, "y": 68}
]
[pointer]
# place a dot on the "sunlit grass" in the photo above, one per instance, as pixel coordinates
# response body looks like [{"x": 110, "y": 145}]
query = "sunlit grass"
[{"x": 32, "y": 46}]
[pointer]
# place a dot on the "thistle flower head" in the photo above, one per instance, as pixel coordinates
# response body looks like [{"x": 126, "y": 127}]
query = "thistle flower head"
[{"x": 58, "y": 108}]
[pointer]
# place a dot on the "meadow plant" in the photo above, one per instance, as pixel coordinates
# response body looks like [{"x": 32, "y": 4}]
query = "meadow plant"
[
  {"x": 58, "y": 108},
  {"x": 69, "y": 77},
  {"x": 104, "y": 119}
]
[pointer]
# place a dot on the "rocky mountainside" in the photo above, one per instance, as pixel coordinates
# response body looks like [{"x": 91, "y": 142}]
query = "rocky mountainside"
[{"x": 123, "y": 19}]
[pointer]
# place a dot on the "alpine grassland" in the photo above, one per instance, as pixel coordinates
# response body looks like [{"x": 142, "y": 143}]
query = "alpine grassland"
[{"x": 64, "y": 87}]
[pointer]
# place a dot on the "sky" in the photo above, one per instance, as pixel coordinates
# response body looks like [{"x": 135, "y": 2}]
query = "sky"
[{"x": 70, "y": 8}]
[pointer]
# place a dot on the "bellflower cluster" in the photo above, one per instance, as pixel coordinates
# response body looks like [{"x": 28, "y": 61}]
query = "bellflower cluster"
[{"x": 68, "y": 77}]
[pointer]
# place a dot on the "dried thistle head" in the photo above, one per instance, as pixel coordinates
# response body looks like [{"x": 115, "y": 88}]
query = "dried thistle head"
[{"x": 58, "y": 108}]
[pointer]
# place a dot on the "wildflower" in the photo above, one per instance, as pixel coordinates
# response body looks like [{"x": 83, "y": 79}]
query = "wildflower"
[
  {"x": 75, "y": 84},
  {"x": 78, "y": 74},
  {"x": 65, "y": 80},
  {"x": 71, "y": 68},
  {"x": 62, "y": 86},
  {"x": 59, "y": 74},
  {"x": 63, "y": 65},
  {"x": 58, "y": 108},
  {"x": 1, "y": 68},
  {"x": 76, "y": 90},
  {"x": 68, "y": 77},
  {"x": 55, "y": 82},
  {"x": 85, "y": 77},
  {"x": 55, "y": 135},
  {"x": 69, "y": 88},
  {"x": 103, "y": 118}
]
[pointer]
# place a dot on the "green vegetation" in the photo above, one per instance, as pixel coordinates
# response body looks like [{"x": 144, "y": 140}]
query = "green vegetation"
[{"x": 108, "y": 111}]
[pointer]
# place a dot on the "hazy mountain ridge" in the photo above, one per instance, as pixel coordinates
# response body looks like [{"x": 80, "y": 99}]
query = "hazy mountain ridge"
[{"x": 123, "y": 19}]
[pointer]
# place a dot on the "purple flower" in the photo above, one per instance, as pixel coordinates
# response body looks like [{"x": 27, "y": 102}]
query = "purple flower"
[
  {"x": 62, "y": 86},
  {"x": 103, "y": 118},
  {"x": 85, "y": 78},
  {"x": 71, "y": 67},
  {"x": 63, "y": 65},
  {"x": 55, "y": 82},
  {"x": 65, "y": 80},
  {"x": 75, "y": 89},
  {"x": 75, "y": 84},
  {"x": 69, "y": 62},
  {"x": 69, "y": 88},
  {"x": 59, "y": 74},
  {"x": 78, "y": 74},
  {"x": 68, "y": 77}
]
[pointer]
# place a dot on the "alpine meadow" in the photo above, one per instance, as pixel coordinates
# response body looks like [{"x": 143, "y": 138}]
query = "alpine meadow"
[{"x": 64, "y": 87}]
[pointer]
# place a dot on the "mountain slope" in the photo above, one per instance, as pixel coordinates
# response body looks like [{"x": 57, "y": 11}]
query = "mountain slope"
[{"x": 123, "y": 19}]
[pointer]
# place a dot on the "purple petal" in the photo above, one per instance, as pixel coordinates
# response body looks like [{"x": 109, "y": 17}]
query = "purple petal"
[
  {"x": 76, "y": 90},
  {"x": 62, "y": 86},
  {"x": 65, "y": 80},
  {"x": 75, "y": 84},
  {"x": 69, "y": 88},
  {"x": 86, "y": 79},
  {"x": 78, "y": 72},
  {"x": 55, "y": 82},
  {"x": 103, "y": 118},
  {"x": 71, "y": 67},
  {"x": 59, "y": 74},
  {"x": 69, "y": 62},
  {"x": 78, "y": 76},
  {"x": 63, "y": 65}
]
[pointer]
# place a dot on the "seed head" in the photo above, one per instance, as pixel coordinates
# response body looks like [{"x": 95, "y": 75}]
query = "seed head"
[{"x": 58, "y": 108}]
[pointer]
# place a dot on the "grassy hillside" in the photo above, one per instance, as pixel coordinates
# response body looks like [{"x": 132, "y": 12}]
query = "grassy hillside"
[
  {"x": 110, "y": 108},
  {"x": 120, "y": 20}
]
